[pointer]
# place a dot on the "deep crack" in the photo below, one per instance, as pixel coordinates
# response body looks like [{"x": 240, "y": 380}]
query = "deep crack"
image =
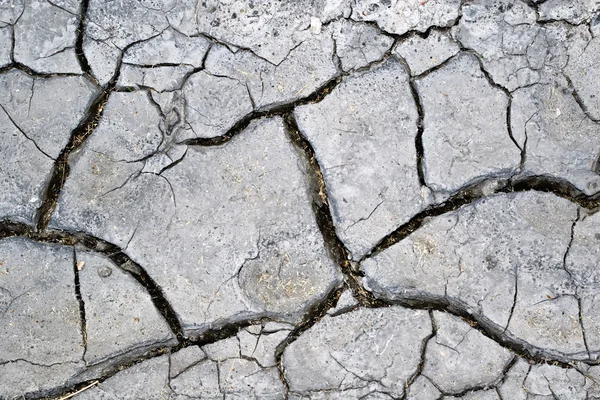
[
  {"x": 481, "y": 189},
  {"x": 76, "y": 269},
  {"x": 262, "y": 27}
]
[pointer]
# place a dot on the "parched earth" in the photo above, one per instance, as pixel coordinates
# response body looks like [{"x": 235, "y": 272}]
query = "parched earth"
[{"x": 337, "y": 199}]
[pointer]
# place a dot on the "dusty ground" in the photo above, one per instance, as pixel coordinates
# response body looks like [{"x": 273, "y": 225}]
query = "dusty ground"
[{"x": 337, "y": 199}]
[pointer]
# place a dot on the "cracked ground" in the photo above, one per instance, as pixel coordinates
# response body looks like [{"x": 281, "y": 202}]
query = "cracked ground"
[{"x": 337, "y": 199}]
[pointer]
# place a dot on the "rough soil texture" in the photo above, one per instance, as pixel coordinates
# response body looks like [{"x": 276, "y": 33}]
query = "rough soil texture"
[{"x": 337, "y": 199}]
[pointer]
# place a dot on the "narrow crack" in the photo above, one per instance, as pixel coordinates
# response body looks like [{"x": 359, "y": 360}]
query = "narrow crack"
[
  {"x": 510, "y": 131},
  {"x": 23, "y": 132},
  {"x": 191, "y": 72},
  {"x": 352, "y": 373},
  {"x": 321, "y": 207},
  {"x": 515, "y": 296},
  {"x": 158, "y": 65},
  {"x": 283, "y": 109},
  {"x": 509, "y": 98},
  {"x": 61, "y": 168},
  {"x": 568, "y": 271},
  {"x": 422, "y": 358},
  {"x": 214, "y": 333},
  {"x": 400, "y": 37},
  {"x": 13, "y": 41},
  {"x": 32, "y": 72},
  {"x": 433, "y": 69},
  {"x": 79, "y": 53},
  {"x": 366, "y": 218},
  {"x": 525, "y": 140},
  {"x": 314, "y": 315},
  {"x": 33, "y": 80},
  {"x": 37, "y": 364},
  {"x": 229, "y": 45},
  {"x": 583, "y": 333},
  {"x": 60, "y": 7},
  {"x": 81, "y": 303},
  {"x": 111, "y": 251},
  {"x": 79, "y": 135},
  {"x": 420, "y": 129},
  {"x": 579, "y": 100},
  {"x": 481, "y": 189},
  {"x": 568, "y": 249},
  {"x": 484, "y": 387},
  {"x": 56, "y": 52},
  {"x": 532, "y": 353},
  {"x": 267, "y": 112},
  {"x": 550, "y": 21},
  {"x": 509, "y": 365}
]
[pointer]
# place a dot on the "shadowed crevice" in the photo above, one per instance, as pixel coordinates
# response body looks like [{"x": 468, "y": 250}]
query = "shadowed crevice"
[
  {"x": 497, "y": 333},
  {"x": 321, "y": 207},
  {"x": 420, "y": 129},
  {"x": 109, "y": 250},
  {"x": 32, "y": 72},
  {"x": 79, "y": 53},
  {"x": 420, "y": 301},
  {"x": 314, "y": 315},
  {"x": 79, "y": 135},
  {"x": 286, "y": 108},
  {"x": 61, "y": 169},
  {"x": 80, "y": 302},
  {"x": 423, "y": 354},
  {"x": 483, "y": 189},
  {"x": 265, "y": 112},
  {"x": 214, "y": 333}
]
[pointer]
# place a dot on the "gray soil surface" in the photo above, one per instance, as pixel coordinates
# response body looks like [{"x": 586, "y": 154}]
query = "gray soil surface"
[{"x": 336, "y": 199}]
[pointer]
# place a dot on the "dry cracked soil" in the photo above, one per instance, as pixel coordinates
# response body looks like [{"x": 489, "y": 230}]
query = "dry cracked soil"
[{"x": 334, "y": 199}]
